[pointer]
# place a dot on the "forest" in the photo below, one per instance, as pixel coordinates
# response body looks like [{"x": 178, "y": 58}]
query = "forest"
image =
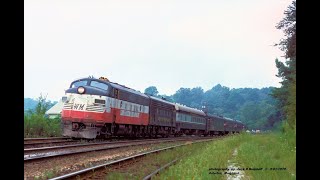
[{"x": 254, "y": 107}]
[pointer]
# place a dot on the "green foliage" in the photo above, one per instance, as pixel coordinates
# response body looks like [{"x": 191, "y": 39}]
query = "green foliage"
[
  {"x": 189, "y": 97},
  {"x": 196, "y": 164},
  {"x": 31, "y": 104},
  {"x": 42, "y": 105},
  {"x": 37, "y": 125},
  {"x": 47, "y": 174},
  {"x": 274, "y": 150},
  {"x": 268, "y": 151},
  {"x": 290, "y": 107},
  {"x": 152, "y": 91},
  {"x": 286, "y": 94},
  {"x": 288, "y": 25}
]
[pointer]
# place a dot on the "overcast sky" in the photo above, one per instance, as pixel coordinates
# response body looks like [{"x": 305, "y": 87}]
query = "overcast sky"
[{"x": 165, "y": 43}]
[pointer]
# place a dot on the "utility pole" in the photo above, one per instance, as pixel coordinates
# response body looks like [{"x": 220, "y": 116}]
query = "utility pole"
[{"x": 204, "y": 107}]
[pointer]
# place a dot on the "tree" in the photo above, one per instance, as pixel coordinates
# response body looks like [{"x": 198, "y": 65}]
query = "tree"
[
  {"x": 41, "y": 107},
  {"x": 152, "y": 91},
  {"x": 182, "y": 96},
  {"x": 216, "y": 98},
  {"x": 286, "y": 94},
  {"x": 288, "y": 25}
]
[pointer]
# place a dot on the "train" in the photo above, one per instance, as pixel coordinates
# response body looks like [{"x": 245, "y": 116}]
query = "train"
[{"x": 99, "y": 108}]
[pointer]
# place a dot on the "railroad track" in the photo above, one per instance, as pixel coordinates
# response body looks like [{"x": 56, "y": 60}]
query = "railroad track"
[
  {"x": 49, "y": 143},
  {"x": 46, "y": 142},
  {"x": 107, "y": 145},
  {"x": 36, "y": 150},
  {"x": 96, "y": 168},
  {"x": 47, "y": 138},
  {"x": 34, "y": 140},
  {"x": 149, "y": 177}
]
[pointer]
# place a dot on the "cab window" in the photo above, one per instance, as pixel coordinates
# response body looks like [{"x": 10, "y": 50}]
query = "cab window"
[
  {"x": 78, "y": 83},
  {"x": 99, "y": 85}
]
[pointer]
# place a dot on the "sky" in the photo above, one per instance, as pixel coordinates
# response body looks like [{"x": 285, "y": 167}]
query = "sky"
[{"x": 164, "y": 43}]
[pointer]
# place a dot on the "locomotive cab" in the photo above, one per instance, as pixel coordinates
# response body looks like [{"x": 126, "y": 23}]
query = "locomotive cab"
[{"x": 86, "y": 109}]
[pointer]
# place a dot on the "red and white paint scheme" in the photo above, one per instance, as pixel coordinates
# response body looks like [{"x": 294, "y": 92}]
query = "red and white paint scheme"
[
  {"x": 86, "y": 116},
  {"x": 130, "y": 113}
]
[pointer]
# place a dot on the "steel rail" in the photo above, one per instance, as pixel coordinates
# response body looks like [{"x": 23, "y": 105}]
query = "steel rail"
[
  {"x": 49, "y": 142},
  {"x": 73, "y": 174},
  {"x": 94, "y": 144},
  {"x": 48, "y": 138},
  {"x": 31, "y": 157},
  {"x": 159, "y": 169}
]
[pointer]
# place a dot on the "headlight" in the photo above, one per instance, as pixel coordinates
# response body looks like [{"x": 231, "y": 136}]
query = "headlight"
[{"x": 81, "y": 90}]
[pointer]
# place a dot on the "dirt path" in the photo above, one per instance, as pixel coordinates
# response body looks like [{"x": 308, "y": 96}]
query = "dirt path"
[{"x": 234, "y": 172}]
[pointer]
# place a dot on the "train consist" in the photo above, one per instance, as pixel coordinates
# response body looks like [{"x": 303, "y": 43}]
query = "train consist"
[{"x": 100, "y": 108}]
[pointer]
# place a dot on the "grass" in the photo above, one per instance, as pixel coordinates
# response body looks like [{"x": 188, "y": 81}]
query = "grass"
[
  {"x": 196, "y": 165},
  {"x": 47, "y": 175},
  {"x": 264, "y": 151},
  {"x": 267, "y": 152},
  {"x": 151, "y": 162},
  {"x": 36, "y": 125}
]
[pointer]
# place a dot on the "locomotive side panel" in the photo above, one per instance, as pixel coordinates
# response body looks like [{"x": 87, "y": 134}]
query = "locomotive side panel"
[{"x": 131, "y": 108}]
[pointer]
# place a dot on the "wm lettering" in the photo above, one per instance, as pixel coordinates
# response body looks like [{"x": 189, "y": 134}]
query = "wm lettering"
[
  {"x": 78, "y": 106},
  {"x": 81, "y": 106},
  {"x": 75, "y": 106}
]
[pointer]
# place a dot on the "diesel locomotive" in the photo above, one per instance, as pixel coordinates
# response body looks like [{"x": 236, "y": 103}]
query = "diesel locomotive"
[{"x": 98, "y": 108}]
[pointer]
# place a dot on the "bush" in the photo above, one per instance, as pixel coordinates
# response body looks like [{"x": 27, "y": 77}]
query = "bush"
[{"x": 37, "y": 125}]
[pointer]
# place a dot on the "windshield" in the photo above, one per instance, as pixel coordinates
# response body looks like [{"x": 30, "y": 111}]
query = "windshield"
[
  {"x": 99, "y": 85},
  {"x": 92, "y": 83},
  {"x": 79, "y": 83}
]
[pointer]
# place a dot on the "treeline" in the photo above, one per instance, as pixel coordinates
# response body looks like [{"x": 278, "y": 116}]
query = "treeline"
[
  {"x": 255, "y": 107},
  {"x": 286, "y": 94},
  {"x": 31, "y": 104}
]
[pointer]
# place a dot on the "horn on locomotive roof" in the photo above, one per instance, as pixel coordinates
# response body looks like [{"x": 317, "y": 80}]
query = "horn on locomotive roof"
[{"x": 104, "y": 79}]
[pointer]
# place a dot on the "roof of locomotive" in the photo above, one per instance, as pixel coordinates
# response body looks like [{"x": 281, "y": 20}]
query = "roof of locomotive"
[
  {"x": 125, "y": 88},
  {"x": 114, "y": 85},
  {"x": 180, "y": 107}
]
